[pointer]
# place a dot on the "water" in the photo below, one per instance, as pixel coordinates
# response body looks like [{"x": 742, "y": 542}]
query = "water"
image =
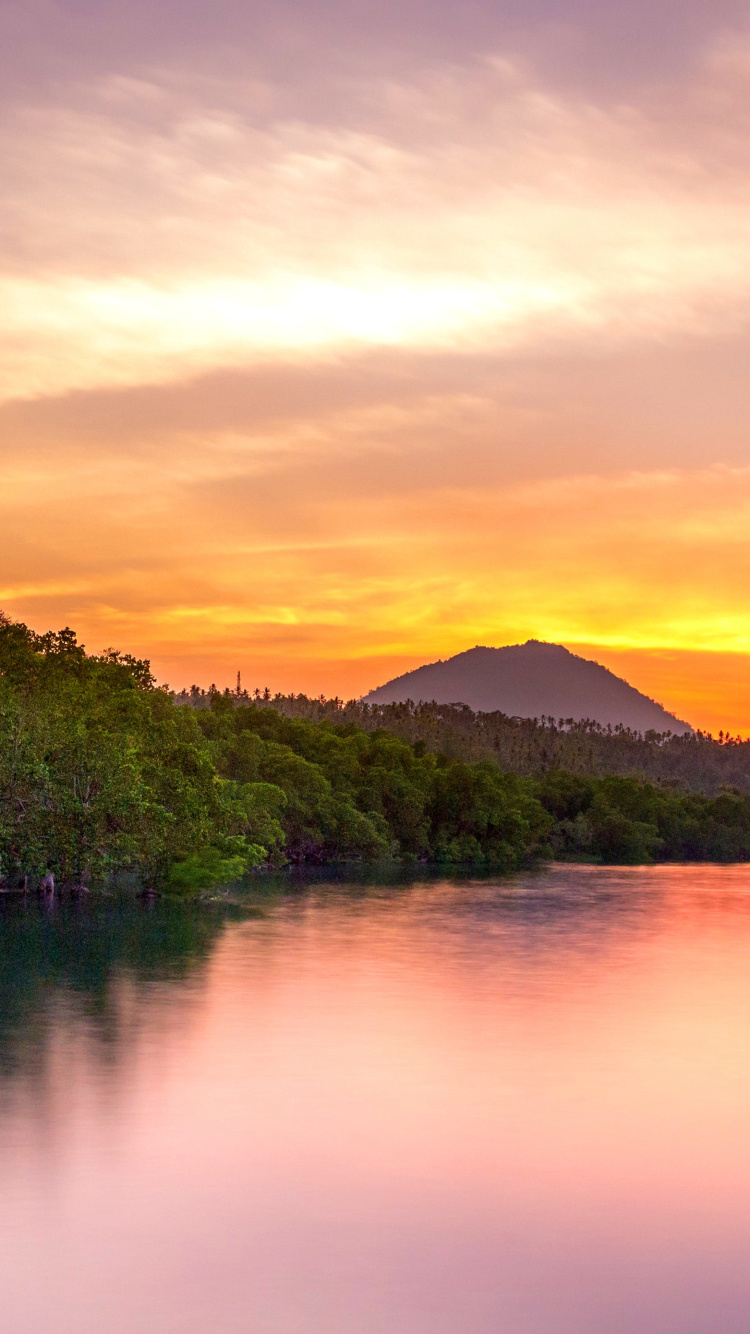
[{"x": 516, "y": 1107}]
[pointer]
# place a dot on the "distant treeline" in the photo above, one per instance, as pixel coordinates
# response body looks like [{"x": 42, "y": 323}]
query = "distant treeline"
[
  {"x": 695, "y": 762},
  {"x": 103, "y": 774}
]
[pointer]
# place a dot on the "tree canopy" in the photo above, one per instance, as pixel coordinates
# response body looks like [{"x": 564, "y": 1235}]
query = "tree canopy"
[{"x": 103, "y": 773}]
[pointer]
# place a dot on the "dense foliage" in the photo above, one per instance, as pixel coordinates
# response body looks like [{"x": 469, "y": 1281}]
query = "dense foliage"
[
  {"x": 101, "y": 773},
  {"x": 629, "y": 821},
  {"x": 695, "y": 761}
]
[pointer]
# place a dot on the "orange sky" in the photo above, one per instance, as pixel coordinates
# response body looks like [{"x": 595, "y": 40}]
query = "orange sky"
[{"x": 325, "y": 377}]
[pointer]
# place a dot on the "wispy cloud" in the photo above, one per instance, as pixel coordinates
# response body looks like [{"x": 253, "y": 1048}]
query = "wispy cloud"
[
  {"x": 446, "y": 351},
  {"x": 153, "y": 230}
]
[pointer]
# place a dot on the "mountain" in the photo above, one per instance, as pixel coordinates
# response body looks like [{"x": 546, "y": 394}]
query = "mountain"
[{"x": 531, "y": 680}]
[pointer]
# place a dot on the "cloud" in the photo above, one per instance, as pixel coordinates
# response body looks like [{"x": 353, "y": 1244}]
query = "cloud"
[
  {"x": 156, "y": 230},
  {"x": 636, "y": 560},
  {"x": 334, "y": 384}
]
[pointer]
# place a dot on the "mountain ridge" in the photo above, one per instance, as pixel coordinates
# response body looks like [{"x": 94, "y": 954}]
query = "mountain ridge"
[{"x": 531, "y": 680}]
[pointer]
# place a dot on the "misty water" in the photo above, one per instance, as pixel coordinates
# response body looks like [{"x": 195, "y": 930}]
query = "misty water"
[{"x": 440, "y": 1107}]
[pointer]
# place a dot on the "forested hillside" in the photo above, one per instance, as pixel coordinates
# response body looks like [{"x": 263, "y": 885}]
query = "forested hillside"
[
  {"x": 694, "y": 761},
  {"x": 103, "y": 774}
]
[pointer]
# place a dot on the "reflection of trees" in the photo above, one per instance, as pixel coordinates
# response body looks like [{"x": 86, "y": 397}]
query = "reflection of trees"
[
  {"x": 80, "y": 957},
  {"x": 93, "y": 974}
]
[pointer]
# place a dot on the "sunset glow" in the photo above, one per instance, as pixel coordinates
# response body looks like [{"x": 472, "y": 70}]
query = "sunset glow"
[{"x": 327, "y": 351}]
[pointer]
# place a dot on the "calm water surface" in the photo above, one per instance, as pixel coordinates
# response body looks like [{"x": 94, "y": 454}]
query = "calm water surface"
[{"x": 519, "y": 1107}]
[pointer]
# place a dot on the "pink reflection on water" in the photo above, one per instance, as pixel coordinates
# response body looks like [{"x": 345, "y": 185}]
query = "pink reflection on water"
[{"x": 516, "y": 1109}]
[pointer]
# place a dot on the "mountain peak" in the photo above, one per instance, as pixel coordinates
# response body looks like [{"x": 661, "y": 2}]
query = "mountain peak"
[{"x": 532, "y": 680}]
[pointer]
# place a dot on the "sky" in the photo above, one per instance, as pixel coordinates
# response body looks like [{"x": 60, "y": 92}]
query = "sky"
[{"x": 337, "y": 338}]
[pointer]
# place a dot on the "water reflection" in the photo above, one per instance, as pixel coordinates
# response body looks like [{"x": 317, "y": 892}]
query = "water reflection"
[
  {"x": 70, "y": 958},
  {"x": 382, "y": 1108}
]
